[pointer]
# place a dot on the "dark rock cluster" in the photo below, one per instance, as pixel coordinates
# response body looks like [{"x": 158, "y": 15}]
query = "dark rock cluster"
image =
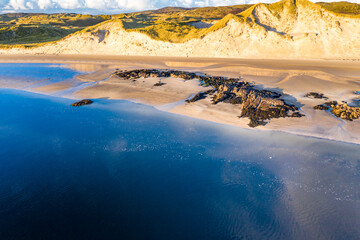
[
  {"x": 321, "y": 107},
  {"x": 341, "y": 110},
  {"x": 325, "y": 106},
  {"x": 154, "y": 73},
  {"x": 82, "y": 103},
  {"x": 217, "y": 81},
  {"x": 316, "y": 95},
  {"x": 257, "y": 105},
  {"x": 199, "y": 96},
  {"x": 159, "y": 84},
  {"x": 345, "y": 111}
]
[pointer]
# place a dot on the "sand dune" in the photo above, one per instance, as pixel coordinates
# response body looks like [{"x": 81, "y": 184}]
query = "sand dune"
[{"x": 287, "y": 29}]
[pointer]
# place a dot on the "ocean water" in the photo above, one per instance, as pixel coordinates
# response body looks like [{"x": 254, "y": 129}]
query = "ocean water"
[{"x": 120, "y": 170}]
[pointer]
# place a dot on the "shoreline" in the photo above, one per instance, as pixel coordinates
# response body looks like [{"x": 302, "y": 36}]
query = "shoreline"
[
  {"x": 294, "y": 82},
  {"x": 47, "y": 96}
]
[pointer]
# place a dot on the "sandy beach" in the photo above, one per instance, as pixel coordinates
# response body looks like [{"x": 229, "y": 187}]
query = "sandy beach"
[{"x": 336, "y": 79}]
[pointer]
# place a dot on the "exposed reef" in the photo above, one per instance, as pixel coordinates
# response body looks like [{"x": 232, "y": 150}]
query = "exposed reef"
[
  {"x": 159, "y": 84},
  {"x": 316, "y": 95},
  {"x": 341, "y": 110},
  {"x": 345, "y": 111},
  {"x": 199, "y": 96},
  {"x": 154, "y": 73},
  {"x": 321, "y": 107},
  {"x": 259, "y": 105},
  {"x": 82, "y": 103}
]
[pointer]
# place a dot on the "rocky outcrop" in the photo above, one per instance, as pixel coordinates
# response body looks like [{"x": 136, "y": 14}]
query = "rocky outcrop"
[
  {"x": 259, "y": 105},
  {"x": 341, "y": 110},
  {"x": 199, "y": 96},
  {"x": 82, "y": 103},
  {"x": 321, "y": 107},
  {"x": 159, "y": 84},
  {"x": 345, "y": 111},
  {"x": 154, "y": 73},
  {"x": 316, "y": 95}
]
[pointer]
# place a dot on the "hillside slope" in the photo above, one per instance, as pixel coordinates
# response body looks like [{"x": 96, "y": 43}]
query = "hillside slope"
[
  {"x": 32, "y": 28},
  {"x": 286, "y": 29}
]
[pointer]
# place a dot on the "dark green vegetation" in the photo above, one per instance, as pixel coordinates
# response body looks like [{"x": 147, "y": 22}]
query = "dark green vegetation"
[
  {"x": 21, "y": 28},
  {"x": 170, "y": 24},
  {"x": 176, "y": 24},
  {"x": 259, "y": 105}
]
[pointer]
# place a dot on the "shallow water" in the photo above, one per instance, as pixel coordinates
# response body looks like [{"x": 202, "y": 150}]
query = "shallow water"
[
  {"x": 120, "y": 170},
  {"x": 33, "y": 76}
]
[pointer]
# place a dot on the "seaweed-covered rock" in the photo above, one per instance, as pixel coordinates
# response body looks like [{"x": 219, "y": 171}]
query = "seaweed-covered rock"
[
  {"x": 235, "y": 100},
  {"x": 342, "y": 110},
  {"x": 199, "y": 96},
  {"x": 321, "y": 107},
  {"x": 296, "y": 115},
  {"x": 257, "y": 105},
  {"x": 345, "y": 111},
  {"x": 316, "y": 95},
  {"x": 159, "y": 84},
  {"x": 331, "y": 103},
  {"x": 82, "y": 103},
  {"x": 154, "y": 73}
]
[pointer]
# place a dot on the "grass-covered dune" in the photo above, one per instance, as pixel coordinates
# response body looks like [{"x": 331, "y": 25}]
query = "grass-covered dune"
[
  {"x": 345, "y": 8},
  {"x": 23, "y": 28},
  {"x": 171, "y": 24}
]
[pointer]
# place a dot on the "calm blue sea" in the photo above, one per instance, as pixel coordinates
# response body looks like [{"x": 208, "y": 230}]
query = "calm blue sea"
[{"x": 120, "y": 170}]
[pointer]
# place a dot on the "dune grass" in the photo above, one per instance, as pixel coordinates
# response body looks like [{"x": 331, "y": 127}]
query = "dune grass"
[
  {"x": 182, "y": 32},
  {"x": 20, "y": 28},
  {"x": 343, "y": 8},
  {"x": 279, "y": 7},
  {"x": 172, "y": 24}
]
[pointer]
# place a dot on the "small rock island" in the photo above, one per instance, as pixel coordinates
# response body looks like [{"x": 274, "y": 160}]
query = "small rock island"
[
  {"x": 82, "y": 103},
  {"x": 340, "y": 110}
]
